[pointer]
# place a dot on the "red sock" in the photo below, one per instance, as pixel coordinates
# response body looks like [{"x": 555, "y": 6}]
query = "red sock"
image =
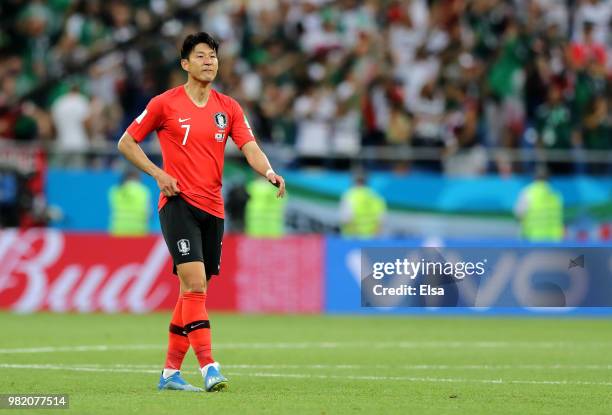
[
  {"x": 178, "y": 343},
  {"x": 197, "y": 326}
]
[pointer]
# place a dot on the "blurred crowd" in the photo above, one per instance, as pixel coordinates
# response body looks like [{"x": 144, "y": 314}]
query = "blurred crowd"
[{"x": 449, "y": 80}]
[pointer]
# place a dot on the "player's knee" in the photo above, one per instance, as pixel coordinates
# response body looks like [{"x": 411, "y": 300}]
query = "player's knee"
[
  {"x": 192, "y": 277},
  {"x": 196, "y": 285}
]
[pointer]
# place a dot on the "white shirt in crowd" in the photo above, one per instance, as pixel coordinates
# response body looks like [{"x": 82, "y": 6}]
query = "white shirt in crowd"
[
  {"x": 69, "y": 113},
  {"x": 315, "y": 113}
]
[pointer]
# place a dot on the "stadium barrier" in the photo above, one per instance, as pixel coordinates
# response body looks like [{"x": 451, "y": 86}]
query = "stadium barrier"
[
  {"x": 48, "y": 270},
  {"x": 515, "y": 272},
  {"x": 420, "y": 204}
]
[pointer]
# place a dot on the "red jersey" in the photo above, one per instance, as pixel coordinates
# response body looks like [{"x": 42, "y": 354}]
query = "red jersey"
[
  {"x": 193, "y": 141},
  {"x": 581, "y": 53}
]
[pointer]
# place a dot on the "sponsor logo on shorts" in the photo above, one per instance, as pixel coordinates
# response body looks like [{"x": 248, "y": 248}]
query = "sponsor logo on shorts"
[{"x": 183, "y": 246}]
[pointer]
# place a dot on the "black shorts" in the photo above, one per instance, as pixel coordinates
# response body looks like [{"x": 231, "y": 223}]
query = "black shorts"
[{"x": 192, "y": 235}]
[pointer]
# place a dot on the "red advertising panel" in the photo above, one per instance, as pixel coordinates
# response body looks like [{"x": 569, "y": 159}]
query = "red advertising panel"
[
  {"x": 279, "y": 275},
  {"x": 49, "y": 270},
  {"x": 43, "y": 269}
]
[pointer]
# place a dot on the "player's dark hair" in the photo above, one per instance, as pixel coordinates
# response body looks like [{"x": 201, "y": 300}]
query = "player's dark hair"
[{"x": 192, "y": 40}]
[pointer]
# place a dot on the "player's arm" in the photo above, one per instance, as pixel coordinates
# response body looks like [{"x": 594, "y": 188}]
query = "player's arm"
[
  {"x": 132, "y": 151},
  {"x": 259, "y": 162}
]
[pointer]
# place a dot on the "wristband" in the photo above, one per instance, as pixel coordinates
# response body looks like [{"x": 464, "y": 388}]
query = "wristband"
[{"x": 268, "y": 172}]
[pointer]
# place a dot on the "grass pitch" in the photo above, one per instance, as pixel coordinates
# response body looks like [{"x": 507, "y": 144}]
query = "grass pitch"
[{"x": 109, "y": 364}]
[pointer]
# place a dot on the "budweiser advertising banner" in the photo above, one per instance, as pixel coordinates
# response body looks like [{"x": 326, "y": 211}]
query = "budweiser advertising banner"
[{"x": 43, "y": 269}]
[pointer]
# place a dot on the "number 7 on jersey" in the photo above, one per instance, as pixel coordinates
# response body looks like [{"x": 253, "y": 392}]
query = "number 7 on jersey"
[{"x": 186, "y": 127}]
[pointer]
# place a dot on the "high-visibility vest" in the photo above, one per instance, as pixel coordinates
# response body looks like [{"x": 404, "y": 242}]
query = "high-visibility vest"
[
  {"x": 130, "y": 208},
  {"x": 265, "y": 213},
  {"x": 543, "y": 219},
  {"x": 367, "y": 211}
]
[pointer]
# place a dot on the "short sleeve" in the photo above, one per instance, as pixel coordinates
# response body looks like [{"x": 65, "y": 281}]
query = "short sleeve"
[
  {"x": 241, "y": 131},
  {"x": 149, "y": 120}
]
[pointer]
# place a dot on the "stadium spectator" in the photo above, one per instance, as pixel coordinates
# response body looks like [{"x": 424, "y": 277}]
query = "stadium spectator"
[
  {"x": 399, "y": 131},
  {"x": 464, "y": 153},
  {"x": 597, "y": 12},
  {"x": 596, "y": 133},
  {"x": 331, "y": 72},
  {"x": 84, "y": 32},
  {"x": 587, "y": 49},
  {"x": 362, "y": 210},
  {"x": 130, "y": 206},
  {"x": 346, "y": 136},
  {"x": 428, "y": 111},
  {"x": 235, "y": 206},
  {"x": 265, "y": 212},
  {"x": 314, "y": 110},
  {"x": 71, "y": 116},
  {"x": 553, "y": 124},
  {"x": 9, "y": 198},
  {"x": 540, "y": 209}
]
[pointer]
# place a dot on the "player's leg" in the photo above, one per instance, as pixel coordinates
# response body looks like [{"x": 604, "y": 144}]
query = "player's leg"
[
  {"x": 178, "y": 343},
  {"x": 212, "y": 236},
  {"x": 176, "y": 223},
  {"x": 197, "y": 325},
  {"x": 195, "y": 317}
]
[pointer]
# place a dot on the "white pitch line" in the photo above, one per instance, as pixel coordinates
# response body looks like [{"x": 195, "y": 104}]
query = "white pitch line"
[
  {"x": 313, "y": 376},
  {"x": 428, "y": 379},
  {"x": 555, "y": 366},
  {"x": 323, "y": 345},
  {"x": 89, "y": 348},
  {"x": 428, "y": 367},
  {"x": 76, "y": 368}
]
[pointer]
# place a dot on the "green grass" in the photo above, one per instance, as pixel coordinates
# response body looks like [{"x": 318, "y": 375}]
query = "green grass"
[{"x": 319, "y": 365}]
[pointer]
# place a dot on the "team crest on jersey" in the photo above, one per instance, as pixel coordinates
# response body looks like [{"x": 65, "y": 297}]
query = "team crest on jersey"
[
  {"x": 221, "y": 120},
  {"x": 184, "y": 246}
]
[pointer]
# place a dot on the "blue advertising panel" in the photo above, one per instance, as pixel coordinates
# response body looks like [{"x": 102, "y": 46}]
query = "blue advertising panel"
[
  {"x": 82, "y": 196},
  {"x": 519, "y": 279}
]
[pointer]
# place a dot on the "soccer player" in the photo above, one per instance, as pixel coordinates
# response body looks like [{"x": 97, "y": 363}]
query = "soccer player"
[{"x": 193, "y": 123}]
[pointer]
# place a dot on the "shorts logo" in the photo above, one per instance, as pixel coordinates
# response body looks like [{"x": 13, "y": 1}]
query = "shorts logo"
[
  {"x": 183, "y": 246},
  {"x": 221, "y": 120}
]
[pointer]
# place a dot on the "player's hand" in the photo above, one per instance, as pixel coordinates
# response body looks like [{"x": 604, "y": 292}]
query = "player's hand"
[
  {"x": 167, "y": 184},
  {"x": 277, "y": 181}
]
